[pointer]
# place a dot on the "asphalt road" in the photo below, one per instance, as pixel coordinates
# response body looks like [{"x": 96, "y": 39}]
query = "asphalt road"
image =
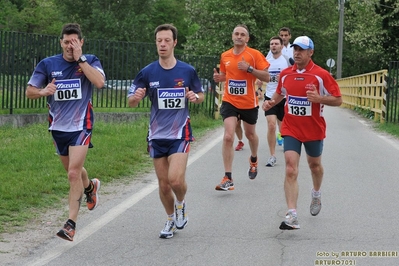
[{"x": 356, "y": 225}]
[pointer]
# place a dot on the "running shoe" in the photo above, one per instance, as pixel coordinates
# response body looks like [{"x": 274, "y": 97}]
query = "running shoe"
[
  {"x": 315, "y": 205},
  {"x": 92, "y": 197},
  {"x": 225, "y": 185},
  {"x": 168, "y": 230},
  {"x": 280, "y": 139},
  {"x": 181, "y": 216},
  {"x": 67, "y": 232},
  {"x": 240, "y": 146},
  {"x": 271, "y": 162},
  {"x": 290, "y": 222},
  {"x": 253, "y": 169}
]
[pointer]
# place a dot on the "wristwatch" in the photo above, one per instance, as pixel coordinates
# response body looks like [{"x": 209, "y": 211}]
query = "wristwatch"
[
  {"x": 82, "y": 59},
  {"x": 196, "y": 97},
  {"x": 250, "y": 69}
]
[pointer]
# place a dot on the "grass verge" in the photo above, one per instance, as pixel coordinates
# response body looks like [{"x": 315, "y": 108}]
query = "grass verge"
[{"x": 390, "y": 128}]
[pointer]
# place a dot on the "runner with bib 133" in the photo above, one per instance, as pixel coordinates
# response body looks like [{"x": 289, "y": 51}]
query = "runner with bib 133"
[{"x": 307, "y": 88}]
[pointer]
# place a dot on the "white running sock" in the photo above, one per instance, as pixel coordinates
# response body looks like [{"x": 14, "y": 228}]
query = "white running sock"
[{"x": 316, "y": 194}]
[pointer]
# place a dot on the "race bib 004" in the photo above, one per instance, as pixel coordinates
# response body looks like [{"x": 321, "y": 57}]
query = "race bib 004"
[{"x": 68, "y": 90}]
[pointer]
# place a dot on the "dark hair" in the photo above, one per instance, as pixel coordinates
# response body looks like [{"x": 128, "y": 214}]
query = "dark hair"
[
  {"x": 166, "y": 27},
  {"x": 277, "y": 38},
  {"x": 285, "y": 29},
  {"x": 243, "y": 26},
  {"x": 71, "y": 28}
]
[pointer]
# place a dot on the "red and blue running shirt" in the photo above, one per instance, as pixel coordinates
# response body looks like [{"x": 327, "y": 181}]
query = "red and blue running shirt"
[
  {"x": 70, "y": 108},
  {"x": 166, "y": 88},
  {"x": 303, "y": 119}
]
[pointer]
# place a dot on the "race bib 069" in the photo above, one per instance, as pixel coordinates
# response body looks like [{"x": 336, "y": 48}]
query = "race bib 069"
[{"x": 237, "y": 87}]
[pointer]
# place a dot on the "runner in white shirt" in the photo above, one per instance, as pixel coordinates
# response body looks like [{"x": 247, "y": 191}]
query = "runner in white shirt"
[
  {"x": 275, "y": 115},
  {"x": 287, "y": 50}
]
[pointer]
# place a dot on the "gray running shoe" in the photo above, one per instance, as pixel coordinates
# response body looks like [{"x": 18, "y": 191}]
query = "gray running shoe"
[
  {"x": 168, "y": 230},
  {"x": 290, "y": 222},
  {"x": 272, "y": 161},
  {"x": 253, "y": 169},
  {"x": 181, "y": 216},
  {"x": 315, "y": 205}
]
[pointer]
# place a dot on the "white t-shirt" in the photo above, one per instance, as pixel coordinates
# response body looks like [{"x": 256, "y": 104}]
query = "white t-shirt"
[
  {"x": 276, "y": 65},
  {"x": 288, "y": 51}
]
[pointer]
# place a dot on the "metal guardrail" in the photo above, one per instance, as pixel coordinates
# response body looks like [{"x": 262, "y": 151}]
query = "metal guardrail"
[
  {"x": 365, "y": 91},
  {"x": 376, "y": 92}
]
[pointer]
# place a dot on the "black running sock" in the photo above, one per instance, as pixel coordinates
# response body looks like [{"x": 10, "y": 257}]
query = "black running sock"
[
  {"x": 228, "y": 174},
  {"x": 90, "y": 188},
  {"x": 254, "y": 159},
  {"x": 71, "y": 223}
]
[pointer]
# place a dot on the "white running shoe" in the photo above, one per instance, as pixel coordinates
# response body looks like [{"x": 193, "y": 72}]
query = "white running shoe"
[
  {"x": 168, "y": 230},
  {"x": 181, "y": 216},
  {"x": 272, "y": 161},
  {"x": 315, "y": 205},
  {"x": 290, "y": 222}
]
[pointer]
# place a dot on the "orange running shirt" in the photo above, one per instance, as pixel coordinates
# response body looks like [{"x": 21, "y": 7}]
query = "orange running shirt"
[{"x": 239, "y": 88}]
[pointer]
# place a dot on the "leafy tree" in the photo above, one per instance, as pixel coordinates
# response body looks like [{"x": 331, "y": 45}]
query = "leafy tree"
[
  {"x": 9, "y": 19},
  {"x": 389, "y": 12},
  {"x": 120, "y": 20},
  {"x": 362, "y": 38},
  {"x": 216, "y": 19},
  {"x": 174, "y": 12},
  {"x": 32, "y": 16},
  {"x": 322, "y": 27},
  {"x": 205, "y": 26},
  {"x": 124, "y": 20}
]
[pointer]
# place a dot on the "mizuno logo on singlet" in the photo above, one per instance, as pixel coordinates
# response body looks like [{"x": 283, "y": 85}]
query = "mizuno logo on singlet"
[
  {"x": 233, "y": 83},
  {"x": 68, "y": 84},
  {"x": 166, "y": 94},
  {"x": 296, "y": 101}
]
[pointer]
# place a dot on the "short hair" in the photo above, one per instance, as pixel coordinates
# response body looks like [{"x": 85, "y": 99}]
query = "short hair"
[
  {"x": 71, "y": 28},
  {"x": 276, "y": 38},
  {"x": 242, "y": 26},
  {"x": 166, "y": 27},
  {"x": 285, "y": 29}
]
